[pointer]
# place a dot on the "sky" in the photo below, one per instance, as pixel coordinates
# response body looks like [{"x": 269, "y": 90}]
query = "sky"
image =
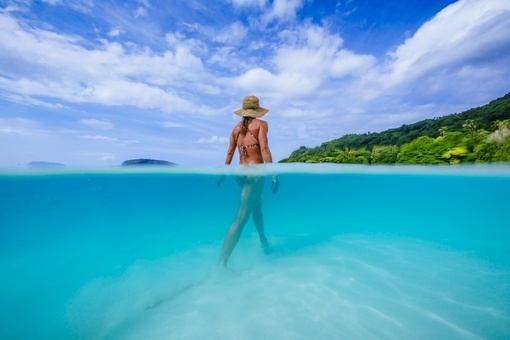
[{"x": 94, "y": 83}]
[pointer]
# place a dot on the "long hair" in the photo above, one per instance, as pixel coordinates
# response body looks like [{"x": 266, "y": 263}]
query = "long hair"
[{"x": 244, "y": 126}]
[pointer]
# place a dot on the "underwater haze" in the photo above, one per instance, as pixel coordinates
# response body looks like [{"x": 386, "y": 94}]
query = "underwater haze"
[{"x": 358, "y": 252}]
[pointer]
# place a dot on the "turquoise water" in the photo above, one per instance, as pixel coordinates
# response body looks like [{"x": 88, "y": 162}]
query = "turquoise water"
[{"x": 356, "y": 252}]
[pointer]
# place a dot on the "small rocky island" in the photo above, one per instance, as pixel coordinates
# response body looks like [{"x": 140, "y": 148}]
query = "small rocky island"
[
  {"x": 41, "y": 164},
  {"x": 144, "y": 161}
]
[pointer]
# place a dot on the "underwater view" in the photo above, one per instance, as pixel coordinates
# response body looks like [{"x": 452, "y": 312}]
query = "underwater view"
[{"x": 368, "y": 252}]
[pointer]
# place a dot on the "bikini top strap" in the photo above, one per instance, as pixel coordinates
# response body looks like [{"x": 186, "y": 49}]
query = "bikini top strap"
[{"x": 251, "y": 134}]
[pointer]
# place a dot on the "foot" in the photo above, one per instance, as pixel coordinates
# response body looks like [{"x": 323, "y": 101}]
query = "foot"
[{"x": 263, "y": 243}]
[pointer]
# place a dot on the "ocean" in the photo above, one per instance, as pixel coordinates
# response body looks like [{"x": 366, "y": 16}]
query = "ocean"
[{"x": 356, "y": 252}]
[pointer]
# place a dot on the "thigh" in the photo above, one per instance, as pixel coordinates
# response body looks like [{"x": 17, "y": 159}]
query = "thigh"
[{"x": 251, "y": 193}]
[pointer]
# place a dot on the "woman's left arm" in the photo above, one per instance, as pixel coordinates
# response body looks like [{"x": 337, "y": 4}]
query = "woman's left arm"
[
  {"x": 266, "y": 153},
  {"x": 264, "y": 146}
]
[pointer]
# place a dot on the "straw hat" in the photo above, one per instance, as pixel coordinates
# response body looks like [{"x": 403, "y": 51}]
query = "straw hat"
[{"x": 251, "y": 108}]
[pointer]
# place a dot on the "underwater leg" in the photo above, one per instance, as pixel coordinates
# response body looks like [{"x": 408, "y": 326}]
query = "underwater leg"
[{"x": 250, "y": 198}]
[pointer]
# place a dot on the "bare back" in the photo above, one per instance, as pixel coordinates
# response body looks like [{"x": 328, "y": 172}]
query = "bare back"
[{"x": 253, "y": 146}]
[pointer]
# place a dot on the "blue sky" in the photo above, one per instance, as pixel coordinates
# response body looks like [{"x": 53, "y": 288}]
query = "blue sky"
[{"x": 93, "y": 83}]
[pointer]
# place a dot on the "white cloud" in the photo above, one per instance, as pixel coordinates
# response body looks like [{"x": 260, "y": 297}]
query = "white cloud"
[
  {"x": 282, "y": 10},
  {"x": 248, "y": 3},
  {"x": 293, "y": 112},
  {"x": 97, "y": 124},
  {"x": 213, "y": 140},
  {"x": 232, "y": 34},
  {"x": 110, "y": 75},
  {"x": 256, "y": 80},
  {"x": 302, "y": 70},
  {"x": 140, "y": 12},
  {"x": 100, "y": 138},
  {"x": 29, "y": 101},
  {"x": 21, "y": 126},
  {"x": 52, "y": 2},
  {"x": 308, "y": 58},
  {"x": 345, "y": 63},
  {"x": 78, "y": 5},
  {"x": 114, "y": 32},
  {"x": 466, "y": 35}
]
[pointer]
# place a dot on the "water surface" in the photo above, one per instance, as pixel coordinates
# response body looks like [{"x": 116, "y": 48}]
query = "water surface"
[{"x": 356, "y": 252}]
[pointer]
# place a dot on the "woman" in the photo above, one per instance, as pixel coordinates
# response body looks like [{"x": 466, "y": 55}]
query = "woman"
[{"x": 250, "y": 138}]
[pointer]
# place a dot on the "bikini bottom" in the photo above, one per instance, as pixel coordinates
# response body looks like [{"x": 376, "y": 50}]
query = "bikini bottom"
[{"x": 242, "y": 180}]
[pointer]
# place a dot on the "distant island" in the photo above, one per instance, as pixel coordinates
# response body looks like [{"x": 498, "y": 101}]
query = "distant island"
[
  {"x": 144, "y": 161},
  {"x": 479, "y": 135},
  {"x": 45, "y": 164}
]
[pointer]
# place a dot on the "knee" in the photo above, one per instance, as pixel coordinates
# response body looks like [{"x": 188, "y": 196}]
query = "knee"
[{"x": 242, "y": 217}]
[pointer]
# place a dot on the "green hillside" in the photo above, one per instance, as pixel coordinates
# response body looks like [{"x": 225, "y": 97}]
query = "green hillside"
[{"x": 480, "y": 134}]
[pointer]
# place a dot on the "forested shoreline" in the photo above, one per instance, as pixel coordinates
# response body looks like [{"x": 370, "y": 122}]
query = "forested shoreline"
[{"x": 480, "y": 134}]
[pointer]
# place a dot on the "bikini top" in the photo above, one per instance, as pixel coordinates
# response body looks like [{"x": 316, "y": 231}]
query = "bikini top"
[{"x": 243, "y": 149}]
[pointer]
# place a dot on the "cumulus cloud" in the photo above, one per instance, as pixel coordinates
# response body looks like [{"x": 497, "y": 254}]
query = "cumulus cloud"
[
  {"x": 462, "y": 38},
  {"x": 301, "y": 69},
  {"x": 282, "y": 10},
  {"x": 114, "y": 32},
  {"x": 232, "y": 34},
  {"x": 108, "y": 74},
  {"x": 307, "y": 58},
  {"x": 318, "y": 54}
]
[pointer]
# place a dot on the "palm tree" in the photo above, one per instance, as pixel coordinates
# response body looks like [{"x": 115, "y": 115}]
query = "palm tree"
[{"x": 470, "y": 127}]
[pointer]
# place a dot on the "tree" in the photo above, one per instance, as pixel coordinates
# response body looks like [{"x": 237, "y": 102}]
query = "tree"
[
  {"x": 423, "y": 150},
  {"x": 384, "y": 155},
  {"x": 470, "y": 127},
  {"x": 457, "y": 137}
]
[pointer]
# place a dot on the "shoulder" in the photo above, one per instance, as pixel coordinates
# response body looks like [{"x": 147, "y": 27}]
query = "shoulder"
[
  {"x": 235, "y": 131},
  {"x": 261, "y": 122},
  {"x": 236, "y": 128},
  {"x": 263, "y": 125}
]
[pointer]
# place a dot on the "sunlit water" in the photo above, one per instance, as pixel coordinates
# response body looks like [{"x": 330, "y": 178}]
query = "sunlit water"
[{"x": 356, "y": 252}]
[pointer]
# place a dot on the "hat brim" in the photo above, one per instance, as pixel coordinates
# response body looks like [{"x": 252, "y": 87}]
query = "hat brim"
[{"x": 254, "y": 113}]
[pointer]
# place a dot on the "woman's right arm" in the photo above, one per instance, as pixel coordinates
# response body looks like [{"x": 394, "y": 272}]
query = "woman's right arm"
[{"x": 231, "y": 149}]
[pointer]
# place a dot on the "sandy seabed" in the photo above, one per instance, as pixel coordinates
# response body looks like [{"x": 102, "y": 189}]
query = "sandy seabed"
[{"x": 352, "y": 286}]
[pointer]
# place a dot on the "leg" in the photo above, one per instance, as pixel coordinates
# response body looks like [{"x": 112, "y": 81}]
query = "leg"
[
  {"x": 258, "y": 220},
  {"x": 250, "y": 198}
]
